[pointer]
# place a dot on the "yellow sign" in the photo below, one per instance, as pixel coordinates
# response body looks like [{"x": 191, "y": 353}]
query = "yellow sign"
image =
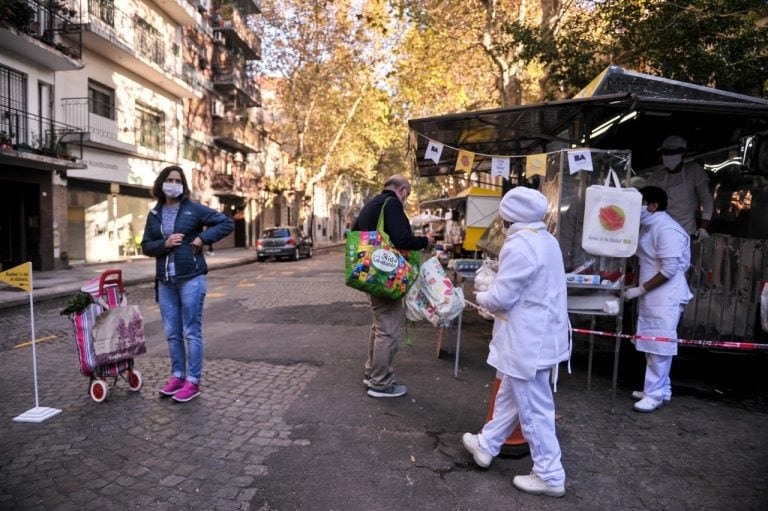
[
  {"x": 464, "y": 161},
  {"x": 19, "y": 276},
  {"x": 536, "y": 164}
]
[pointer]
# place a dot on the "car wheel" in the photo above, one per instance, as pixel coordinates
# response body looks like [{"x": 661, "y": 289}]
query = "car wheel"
[
  {"x": 309, "y": 253},
  {"x": 296, "y": 255},
  {"x": 261, "y": 259}
]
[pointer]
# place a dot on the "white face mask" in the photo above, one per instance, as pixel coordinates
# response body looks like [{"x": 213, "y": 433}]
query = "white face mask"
[
  {"x": 644, "y": 214},
  {"x": 172, "y": 190},
  {"x": 671, "y": 161}
]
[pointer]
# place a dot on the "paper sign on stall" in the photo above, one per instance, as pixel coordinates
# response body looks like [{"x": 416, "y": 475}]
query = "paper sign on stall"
[
  {"x": 500, "y": 167},
  {"x": 536, "y": 164},
  {"x": 433, "y": 152},
  {"x": 579, "y": 159},
  {"x": 464, "y": 161}
]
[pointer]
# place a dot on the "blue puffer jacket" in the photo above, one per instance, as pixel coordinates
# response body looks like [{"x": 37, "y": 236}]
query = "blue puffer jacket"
[{"x": 191, "y": 219}]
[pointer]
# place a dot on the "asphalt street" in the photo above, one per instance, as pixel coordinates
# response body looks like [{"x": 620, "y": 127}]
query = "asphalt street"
[{"x": 284, "y": 423}]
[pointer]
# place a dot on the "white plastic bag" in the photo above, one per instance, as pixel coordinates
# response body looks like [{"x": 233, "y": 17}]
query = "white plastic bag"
[
  {"x": 611, "y": 219},
  {"x": 436, "y": 285},
  {"x": 437, "y": 302},
  {"x": 485, "y": 275}
]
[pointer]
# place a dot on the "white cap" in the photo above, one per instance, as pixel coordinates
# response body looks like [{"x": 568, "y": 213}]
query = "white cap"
[
  {"x": 523, "y": 204},
  {"x": 672, "y": 143}
]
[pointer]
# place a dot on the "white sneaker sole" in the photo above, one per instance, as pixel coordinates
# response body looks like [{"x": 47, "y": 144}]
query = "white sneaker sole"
[{"x": 477, "y": 456}]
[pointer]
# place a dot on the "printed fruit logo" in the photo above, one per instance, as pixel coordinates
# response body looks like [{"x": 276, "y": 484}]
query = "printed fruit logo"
[{"x": 611, "y": 218}]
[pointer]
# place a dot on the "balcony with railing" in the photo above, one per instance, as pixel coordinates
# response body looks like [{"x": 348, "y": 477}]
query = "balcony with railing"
[
  {"x": 103, "y": 126},
  {"x": 34, "y": 28},
  {"x": 233, "y": 81},
  {"x": 229, "y": 21},
  {"x": 228, "y": 178},
  {"x": 183, "y": 12},
  {"x": 127, "y": 39},
  {"x": 30, "y": 140},
  {"x": 236, "y": 134}
]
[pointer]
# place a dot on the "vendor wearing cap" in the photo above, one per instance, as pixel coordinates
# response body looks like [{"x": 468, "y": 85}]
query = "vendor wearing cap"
[
  {"x": 530, "y": 339},
  {"x": 686, "y": 185}
]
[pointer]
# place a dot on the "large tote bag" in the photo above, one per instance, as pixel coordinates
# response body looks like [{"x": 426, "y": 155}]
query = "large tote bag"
[
  {"x": 373, "y": 265},
  {"x": 118, "y": 334},
  {"x": 611, "y": 219}
]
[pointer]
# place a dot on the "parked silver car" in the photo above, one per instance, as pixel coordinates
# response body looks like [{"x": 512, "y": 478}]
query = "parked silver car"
[{"x": 283, "y": 241}]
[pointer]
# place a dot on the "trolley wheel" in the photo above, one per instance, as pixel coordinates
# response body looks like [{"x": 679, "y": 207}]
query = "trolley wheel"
[
  {"x": 99, "y": 390},
  {"x": 134, "y": 380}
]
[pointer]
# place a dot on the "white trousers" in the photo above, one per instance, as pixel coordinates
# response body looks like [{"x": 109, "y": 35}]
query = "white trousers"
[
  {"x": 529, "y": 403},
  {"x": 657, "y": 383}
]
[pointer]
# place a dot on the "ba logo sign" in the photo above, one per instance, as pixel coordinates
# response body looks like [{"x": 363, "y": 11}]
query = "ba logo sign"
[{"x": 384, "y": 260}]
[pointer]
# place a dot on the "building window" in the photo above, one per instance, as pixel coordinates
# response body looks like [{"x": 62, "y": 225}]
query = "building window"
[
  {"x": 149, "y": 42},
  {"x": 101, "y": 100},
  {"x": 150, "y": 127},
  {"x": 13, "y": 104},
  {"x": 103, "y": 10}
]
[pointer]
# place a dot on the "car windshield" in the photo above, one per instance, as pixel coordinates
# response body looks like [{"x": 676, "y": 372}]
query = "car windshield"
[{"x": 277, "y": 233}]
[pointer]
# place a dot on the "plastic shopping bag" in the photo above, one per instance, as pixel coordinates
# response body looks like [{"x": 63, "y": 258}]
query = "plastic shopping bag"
[
  {"x": 373, "y": 265},
  {"x": 611, "y": 219},
  {"x": 433, "y": 297}
]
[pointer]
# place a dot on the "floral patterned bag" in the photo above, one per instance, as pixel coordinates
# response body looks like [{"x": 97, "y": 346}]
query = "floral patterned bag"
[{"x": 373, "y": 265}]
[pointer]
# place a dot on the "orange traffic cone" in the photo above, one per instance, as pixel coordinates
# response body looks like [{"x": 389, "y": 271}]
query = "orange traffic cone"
[{"x": 516, "y": 445}]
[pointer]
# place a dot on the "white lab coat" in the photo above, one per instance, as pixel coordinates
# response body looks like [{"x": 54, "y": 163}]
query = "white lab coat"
[
  {"x": 529, "y": 292},
  {"x": 659, "y": 310},
  {"x": 687, "y": 192}
]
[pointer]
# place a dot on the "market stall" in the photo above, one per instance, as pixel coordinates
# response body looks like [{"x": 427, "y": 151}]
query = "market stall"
[
  {"x": 471, "y": 212},
  {"x": 621, "y": 119}
]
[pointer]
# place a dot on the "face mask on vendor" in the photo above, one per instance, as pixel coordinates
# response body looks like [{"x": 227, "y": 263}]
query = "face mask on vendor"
[
  {"x": 671, "y": 161},
  {"x": 646, "y": 211}
]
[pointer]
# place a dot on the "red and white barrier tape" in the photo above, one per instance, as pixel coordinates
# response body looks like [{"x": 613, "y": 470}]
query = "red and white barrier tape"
[{"x": 734, "y": 345}]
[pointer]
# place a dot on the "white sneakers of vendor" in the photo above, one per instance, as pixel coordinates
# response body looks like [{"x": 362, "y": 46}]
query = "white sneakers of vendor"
[
  {"x": 648, "y": 404},
  {"x": 472, "y": 444},
  {"x": 537, "y": 486},
  {"x": 639, "y": 394}
]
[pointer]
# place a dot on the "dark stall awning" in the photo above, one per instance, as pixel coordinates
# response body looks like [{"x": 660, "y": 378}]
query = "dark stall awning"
[{"x": 602, "y": 116}]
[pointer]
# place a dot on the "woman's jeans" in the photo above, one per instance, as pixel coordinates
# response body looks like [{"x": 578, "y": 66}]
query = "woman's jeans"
[{"x": 181, "y": 307}]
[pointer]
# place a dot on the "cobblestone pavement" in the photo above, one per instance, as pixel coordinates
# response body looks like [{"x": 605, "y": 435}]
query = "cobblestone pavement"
[{"x": 284, "y": 423}]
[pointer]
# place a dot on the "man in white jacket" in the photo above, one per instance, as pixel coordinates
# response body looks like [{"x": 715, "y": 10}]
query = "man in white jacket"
[{"x": 530, "y": 338}]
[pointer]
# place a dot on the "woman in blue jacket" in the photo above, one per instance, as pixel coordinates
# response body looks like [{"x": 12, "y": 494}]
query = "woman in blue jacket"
[{"x": 174, "y": 236}]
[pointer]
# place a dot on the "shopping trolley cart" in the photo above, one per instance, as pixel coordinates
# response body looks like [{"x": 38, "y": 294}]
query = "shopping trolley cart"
[{"x": 115, "y": 360}]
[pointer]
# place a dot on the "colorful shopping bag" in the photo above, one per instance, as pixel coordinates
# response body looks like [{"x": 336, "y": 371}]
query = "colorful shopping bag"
[{"x": 373, "y": 265}]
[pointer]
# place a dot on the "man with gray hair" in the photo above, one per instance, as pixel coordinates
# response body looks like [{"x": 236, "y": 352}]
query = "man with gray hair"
[{"x": 388, "y": 314}]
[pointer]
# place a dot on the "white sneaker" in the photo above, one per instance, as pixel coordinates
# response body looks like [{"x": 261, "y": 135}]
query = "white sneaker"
[
  {"x": 535, "y": 485},
  {"x": 639, "y": 394},
  {"x": 472, "y": 444},
  {"x": 648, "y": 404}
]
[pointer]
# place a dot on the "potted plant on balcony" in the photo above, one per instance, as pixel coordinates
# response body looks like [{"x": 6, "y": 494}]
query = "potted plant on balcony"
[{"x": 5, "y": 140}]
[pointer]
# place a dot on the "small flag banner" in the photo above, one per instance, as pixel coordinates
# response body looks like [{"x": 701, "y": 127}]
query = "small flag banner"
[{"x": 19, "y": 276}]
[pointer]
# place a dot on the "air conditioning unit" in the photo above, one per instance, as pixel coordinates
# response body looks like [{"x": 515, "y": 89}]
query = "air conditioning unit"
[
  {"x": 218, "y": 108},
  {"x": 203, "y": 6}
]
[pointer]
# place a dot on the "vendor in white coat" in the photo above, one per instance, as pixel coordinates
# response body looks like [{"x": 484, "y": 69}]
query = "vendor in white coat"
[
  {"x": 687, "y": 186},
  {"x": 530, "y": 339},
  {"x": 664, "y": 256}
]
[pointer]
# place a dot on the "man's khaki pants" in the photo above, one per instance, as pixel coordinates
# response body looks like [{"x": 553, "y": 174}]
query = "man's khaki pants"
[{"x": 386, "y": 331}]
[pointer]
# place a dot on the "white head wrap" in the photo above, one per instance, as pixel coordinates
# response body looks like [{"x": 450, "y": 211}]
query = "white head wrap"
[{"x": 523, "y": 204}]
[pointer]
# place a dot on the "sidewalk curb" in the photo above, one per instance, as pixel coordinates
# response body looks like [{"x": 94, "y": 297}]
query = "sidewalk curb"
[{"x": 49, "y": 293}]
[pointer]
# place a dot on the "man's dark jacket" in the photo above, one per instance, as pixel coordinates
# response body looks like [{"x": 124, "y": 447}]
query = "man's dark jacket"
[{"x": 396, "y": 224}]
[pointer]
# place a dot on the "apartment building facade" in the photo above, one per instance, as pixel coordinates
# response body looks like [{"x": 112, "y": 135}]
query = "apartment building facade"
[
  {"x": 37, "y": 148},
  {"x": 135, "y": 85}
]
